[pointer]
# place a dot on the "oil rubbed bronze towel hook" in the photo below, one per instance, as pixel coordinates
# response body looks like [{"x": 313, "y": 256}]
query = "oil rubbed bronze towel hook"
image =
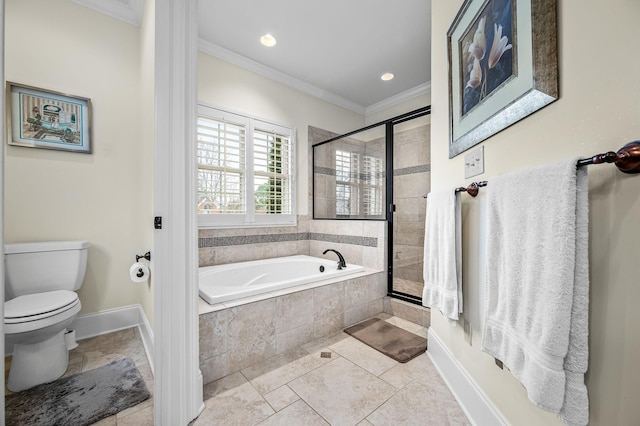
[{"x": 473, "y": 188}]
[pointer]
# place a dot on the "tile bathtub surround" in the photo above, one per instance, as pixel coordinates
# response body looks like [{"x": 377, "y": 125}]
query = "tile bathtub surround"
[
  {"x": 356, "y": 385},
  {"x": 361, "y": 242},
  {"x": 232, "y": 245},
  {"x": 234, "y": 338}
]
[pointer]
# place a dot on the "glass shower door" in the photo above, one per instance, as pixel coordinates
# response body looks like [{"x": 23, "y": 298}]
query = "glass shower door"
[{"x": 411, "y": 182}]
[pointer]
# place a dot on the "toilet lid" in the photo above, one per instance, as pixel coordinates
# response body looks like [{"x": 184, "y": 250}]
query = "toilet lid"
[{"x": 38, "y": 303}]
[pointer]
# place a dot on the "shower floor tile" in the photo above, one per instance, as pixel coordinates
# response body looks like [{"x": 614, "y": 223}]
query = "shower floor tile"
[{"x": 352, "y": 387}]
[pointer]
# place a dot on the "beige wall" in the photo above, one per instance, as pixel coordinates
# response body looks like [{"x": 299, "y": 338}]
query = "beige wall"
[
  {"x": 147, "y": 121},
  {"x": 597, "y": 111},
  {"x": 104, "y": 197}
]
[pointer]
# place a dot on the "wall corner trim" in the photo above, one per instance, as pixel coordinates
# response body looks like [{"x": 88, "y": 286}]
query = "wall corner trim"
[{"x": 474, "y": 402}]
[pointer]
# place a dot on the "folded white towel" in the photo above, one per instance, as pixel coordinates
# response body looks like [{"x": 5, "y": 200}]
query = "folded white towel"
[
  {"x": 442, "y": 271},
  {"x": 538, "y": 284}
]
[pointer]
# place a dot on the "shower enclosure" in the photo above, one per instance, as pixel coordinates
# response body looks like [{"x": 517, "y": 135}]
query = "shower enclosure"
[{"x": 381, "y": 172}]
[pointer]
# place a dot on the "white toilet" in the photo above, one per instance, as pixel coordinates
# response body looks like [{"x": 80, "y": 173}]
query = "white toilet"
[{"x": 40, "y": 303}]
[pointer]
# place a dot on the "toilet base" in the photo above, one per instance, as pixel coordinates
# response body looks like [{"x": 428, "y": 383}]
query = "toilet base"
[{"x": 36, "y": 363}]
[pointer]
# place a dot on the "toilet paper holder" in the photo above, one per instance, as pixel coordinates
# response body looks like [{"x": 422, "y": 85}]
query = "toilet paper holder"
[{"x": 147, "y": 256}]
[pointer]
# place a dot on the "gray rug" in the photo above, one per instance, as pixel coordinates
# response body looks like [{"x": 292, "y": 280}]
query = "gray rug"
[
  {"x": 385, "y": 337},
  {"x": 81, "y": 399}
]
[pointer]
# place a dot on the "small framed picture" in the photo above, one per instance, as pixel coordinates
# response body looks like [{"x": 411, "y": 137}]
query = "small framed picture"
[{"x": 40, "y": 118}]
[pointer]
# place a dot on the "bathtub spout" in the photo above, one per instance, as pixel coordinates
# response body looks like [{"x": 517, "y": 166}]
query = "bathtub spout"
[{"x": 341, "y": 262}]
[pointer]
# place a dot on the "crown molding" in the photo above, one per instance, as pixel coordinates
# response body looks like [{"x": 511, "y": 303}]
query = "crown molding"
[
  {"x": 419, "y": 90},
  {"x": 265, "y": 71},
  {"x": 130, "y": 11},
  {"x": 126, "y": 10}
]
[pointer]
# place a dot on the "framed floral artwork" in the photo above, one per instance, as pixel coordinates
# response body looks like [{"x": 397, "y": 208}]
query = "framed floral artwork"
[{"x": 503, "y": 66}]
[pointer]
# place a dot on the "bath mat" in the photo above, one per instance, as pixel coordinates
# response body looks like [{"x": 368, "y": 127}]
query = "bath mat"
[
  {"x": 385, "y": 337},
  {"x": 81, "y": 399}
]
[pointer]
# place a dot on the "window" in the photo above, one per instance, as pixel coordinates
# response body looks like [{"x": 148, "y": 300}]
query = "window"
[
  {"x": 359, "y": 184},
  {"x": 347, "y": 172},
  {"x": 373, "y": 185},
  {"x": 245, "y": 171}
]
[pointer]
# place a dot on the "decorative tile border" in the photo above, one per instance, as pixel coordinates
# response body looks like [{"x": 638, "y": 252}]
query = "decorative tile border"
[
  {"x": 325, "y": 171},
  {"x": 239, "y": 240},
  {"x": 345, "y": 239},
  {"x": 277, "y": 238},
  {"x": 355, "y": 175},
  {"x": 412, "y": 170}
]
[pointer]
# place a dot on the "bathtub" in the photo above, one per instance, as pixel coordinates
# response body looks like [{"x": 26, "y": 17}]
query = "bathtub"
[{"x": 222, "y": 283}]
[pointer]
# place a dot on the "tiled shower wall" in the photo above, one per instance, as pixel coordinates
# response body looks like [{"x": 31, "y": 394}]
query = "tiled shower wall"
[{"x": 362, "y": 242}]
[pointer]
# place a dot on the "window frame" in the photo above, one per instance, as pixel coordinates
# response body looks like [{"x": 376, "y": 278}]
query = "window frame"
[{"x": 249, "y": 218}]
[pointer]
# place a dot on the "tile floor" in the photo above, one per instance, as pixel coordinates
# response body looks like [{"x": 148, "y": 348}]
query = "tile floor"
[
  {"x": 101, "y": 350},
  {"x": 356, "y": 385}
]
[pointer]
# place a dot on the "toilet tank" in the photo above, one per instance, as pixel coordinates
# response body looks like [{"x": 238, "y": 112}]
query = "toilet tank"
[{"x": 44, "y": 266}]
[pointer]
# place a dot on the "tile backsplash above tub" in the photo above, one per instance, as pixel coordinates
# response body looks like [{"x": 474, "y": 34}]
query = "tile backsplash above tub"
[{"x": 361, "y": 242}]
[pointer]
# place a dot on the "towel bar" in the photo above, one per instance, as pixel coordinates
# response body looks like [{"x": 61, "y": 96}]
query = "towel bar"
[{"x": 627, "y": 160}]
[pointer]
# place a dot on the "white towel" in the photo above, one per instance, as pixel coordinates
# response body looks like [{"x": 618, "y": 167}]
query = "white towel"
[
  {"x": 538, "y": 284},
  {"x": 442, "y": 271}
]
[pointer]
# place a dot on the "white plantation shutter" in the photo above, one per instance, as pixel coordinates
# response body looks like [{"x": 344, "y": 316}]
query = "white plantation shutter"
[
  {"x": 373, "y": 185},
  {"x": 347, "y": 183},
  {"x": 221, "y": 167},
  {"x": 272, "y": 172},
  {"x": 246, "y": 171}
]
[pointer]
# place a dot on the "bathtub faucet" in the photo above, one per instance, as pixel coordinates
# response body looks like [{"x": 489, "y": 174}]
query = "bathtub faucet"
[{"x": 341, "y": 262}]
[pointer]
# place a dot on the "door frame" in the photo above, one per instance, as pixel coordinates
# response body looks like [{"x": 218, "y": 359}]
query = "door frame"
[{"x": 178, "y": 380}]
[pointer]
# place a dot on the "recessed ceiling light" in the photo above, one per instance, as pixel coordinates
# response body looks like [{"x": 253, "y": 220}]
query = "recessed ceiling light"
[
  {"x": 387, "y": 76},
  {"x": 268, "y": 40}
]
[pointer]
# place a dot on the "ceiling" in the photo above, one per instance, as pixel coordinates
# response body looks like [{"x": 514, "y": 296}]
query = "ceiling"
[{"x": 333, "y": 49}]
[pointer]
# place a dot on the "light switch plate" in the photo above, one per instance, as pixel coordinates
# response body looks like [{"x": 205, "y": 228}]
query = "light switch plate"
[{"x": 474, "y": 163}]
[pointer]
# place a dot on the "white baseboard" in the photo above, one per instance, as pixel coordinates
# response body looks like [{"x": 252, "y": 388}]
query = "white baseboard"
[
  {"x": 103, "y": 322},
  {"x": 472, "y": 399},
  {"x": 146, "y": 333}
]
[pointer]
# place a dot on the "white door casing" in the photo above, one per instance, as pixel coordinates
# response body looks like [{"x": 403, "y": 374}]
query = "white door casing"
[{"x": 178, "y": 381}]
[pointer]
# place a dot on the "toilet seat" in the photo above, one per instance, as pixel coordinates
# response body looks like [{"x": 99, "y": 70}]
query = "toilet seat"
[{"x": 34, "y": 311}]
